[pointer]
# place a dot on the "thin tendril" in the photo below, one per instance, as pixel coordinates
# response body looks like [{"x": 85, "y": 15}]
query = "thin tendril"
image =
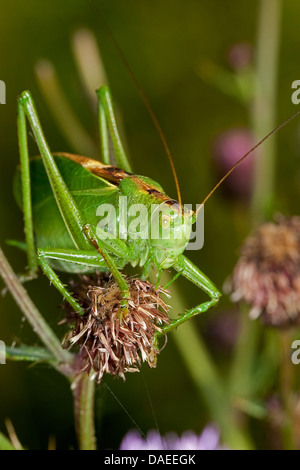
[
  {"x": 245, "y": 156},
  {"x": 123, "y": 407},
  {"x": 150, "y": 402}
]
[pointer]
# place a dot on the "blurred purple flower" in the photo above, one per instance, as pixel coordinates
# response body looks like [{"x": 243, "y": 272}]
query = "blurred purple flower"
[
  {"x": 228, "y": 148},
  {"x": 240, "y": 55},
  {"x": 209, "y": 439},
  {"x": 222, "y": 330}
]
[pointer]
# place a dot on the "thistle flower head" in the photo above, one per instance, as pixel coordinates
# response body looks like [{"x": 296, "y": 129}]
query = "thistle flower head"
[
  {"x": 108, "y": 345},
  {"x": 267, "y": 275}
]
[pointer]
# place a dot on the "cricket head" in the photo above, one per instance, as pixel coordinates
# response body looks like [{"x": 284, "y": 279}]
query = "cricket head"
[{"x": 170, "y": 230}]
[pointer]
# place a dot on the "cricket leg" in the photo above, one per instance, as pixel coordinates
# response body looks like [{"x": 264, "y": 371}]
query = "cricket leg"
[
  {"x": 104, "y": 247},
  {"x": 91, "y": 259},
  {"x": 107, "y": 120},
  {"x": 94, "y": 260},
  {"x": 54, "y": 279},
  {"x": 85, "y": 258},
  {"x": 65, "y": 201},
  {"x": 70, "y": 256},
  {"x": 26, "y": 196},
  {"x": 193, "y": 274},
  {"x": 82, "y": 237}
]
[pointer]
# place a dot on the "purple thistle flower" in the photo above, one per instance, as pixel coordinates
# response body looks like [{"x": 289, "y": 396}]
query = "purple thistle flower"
[
  {"x": 240, "y": 55},
  {"x": 228, "y": 148},
  {"x": 209, "y": 439}
]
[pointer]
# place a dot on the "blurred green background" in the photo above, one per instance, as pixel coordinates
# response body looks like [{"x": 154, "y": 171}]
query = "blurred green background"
[{"x": 166, "y": 44}]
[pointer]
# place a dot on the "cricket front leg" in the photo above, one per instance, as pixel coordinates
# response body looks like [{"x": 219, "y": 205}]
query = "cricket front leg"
[
  {"x": 54, "y": 279},
  {"x": 193, "y": 274},
  {"x": 95, "y": 259},
  {"x": 91, "y": 259}
]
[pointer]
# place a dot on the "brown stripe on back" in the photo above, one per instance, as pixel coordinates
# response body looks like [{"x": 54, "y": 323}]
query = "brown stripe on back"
[
  {"x": 109, "y": 173},
  {"x": 149, "y": 189},
  {"x": 116, "y": 175}
]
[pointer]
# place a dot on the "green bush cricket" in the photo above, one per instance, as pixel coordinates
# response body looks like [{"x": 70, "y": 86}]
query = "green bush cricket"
[{"x": 60, "y": 194}]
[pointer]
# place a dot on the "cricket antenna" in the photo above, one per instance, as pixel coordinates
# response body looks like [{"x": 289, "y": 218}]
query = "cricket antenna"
[
  {"x": 141, "y": 92},
  {"x": 244, "y": 157}
]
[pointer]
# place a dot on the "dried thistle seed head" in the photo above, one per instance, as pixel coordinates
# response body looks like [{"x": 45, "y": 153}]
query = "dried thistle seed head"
[
  {"x": 267, "y": 275},
  {"x": 108, "y": 345}
]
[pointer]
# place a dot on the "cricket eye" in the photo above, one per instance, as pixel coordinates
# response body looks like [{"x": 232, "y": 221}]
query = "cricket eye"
[{"x": 165, "y": 221}]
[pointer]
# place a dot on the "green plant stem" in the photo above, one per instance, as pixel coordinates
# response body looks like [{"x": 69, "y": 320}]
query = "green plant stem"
[
  {"x": 12, "y": 435},
  {"x": 83, "y": 386},
  {"x": 30, "y": 354},
  {"x": 39, "y": 325},
  {"x": 241, "y": 371},
  {"x": 84, "y": 401},
  {"x": 89, "y": 62},
  {"x": 207, "y": 379},
  {"x": 264, "y": 105},
  {"x": 262, "y": 116},
  {"x": 263, "y": 120},
  {"x": 286, "y": 382}
]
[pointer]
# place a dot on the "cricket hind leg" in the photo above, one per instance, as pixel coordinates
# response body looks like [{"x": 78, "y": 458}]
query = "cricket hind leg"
[
  {"x": 64, "y": 199},
  {"x": 185, "y": 267},
  {"x": 72, "y": 217},
  {"x": 67, "y": 206},
  {"x": 32, "y": 265},
  {"x": 107, "y": 120}
]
